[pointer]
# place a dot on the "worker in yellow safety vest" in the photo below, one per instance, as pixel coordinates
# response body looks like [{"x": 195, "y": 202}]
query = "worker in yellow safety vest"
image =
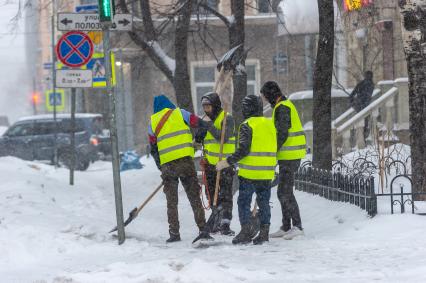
[
  {"x": 210, "y": 138},
  {"x": 170, "y": 139},
  {"x": 256, "y": 159},
  {"x": 291, "y": 149}
]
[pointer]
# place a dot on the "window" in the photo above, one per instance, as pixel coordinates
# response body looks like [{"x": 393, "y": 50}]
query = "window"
[
  {"x": 203, "y": 80},
  {"x": 263, "y": 6},
  {"x": 65, "y": 126},
  {"x": 45, "y": 128},
  {"x": 201, "y": 11},
  {"x": 251, "y": 79},
  {"x": 280, "y": 63},
  {"x": 97, "y": 125},
  {"x": 21, "y": 130}
]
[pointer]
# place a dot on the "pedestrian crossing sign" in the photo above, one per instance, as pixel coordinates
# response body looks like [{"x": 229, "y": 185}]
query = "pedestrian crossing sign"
[
  {"x": 97, "y": 65},
  {"x": 57, "y": 97}
]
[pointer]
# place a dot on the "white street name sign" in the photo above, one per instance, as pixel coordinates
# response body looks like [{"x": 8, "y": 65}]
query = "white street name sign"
[
  {"x": 88, "y": 22},
  {"x": 74, "y": 78}
]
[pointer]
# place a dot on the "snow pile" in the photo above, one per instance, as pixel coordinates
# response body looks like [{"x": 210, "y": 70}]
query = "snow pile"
[{"x": 53, "y": 232}]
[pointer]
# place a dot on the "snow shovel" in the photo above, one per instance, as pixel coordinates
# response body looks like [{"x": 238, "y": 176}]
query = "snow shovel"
[{"x": 135, "y": 211}]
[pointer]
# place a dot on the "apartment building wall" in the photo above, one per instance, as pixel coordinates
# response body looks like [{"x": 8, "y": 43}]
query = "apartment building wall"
[{"x": 374, "y": 41}]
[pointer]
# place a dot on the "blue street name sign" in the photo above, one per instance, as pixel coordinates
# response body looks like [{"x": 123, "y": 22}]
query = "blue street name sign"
[{"x": 87, "y": 8}]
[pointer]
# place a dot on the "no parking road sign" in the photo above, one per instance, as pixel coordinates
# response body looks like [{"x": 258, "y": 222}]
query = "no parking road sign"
[{"x": 74, "y": 49}]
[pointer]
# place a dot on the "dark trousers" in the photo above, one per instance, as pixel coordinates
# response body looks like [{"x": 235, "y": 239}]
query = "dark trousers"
[
  {"x": 289, "y": 206},
  {"x": 263, "y": 195},
  {"x": 182, "y": 169},
  {"x": 224, "y": 199}
]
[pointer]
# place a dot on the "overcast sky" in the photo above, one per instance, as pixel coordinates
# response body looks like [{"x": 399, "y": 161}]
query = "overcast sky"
[{"x": 14, "y": 89}]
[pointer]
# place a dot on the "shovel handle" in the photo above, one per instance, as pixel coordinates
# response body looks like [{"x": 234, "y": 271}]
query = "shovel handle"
[
  {"x": 222, "y": 140},
  {"x": 222, "y": 132},
  {"x": 149, "y": 198},
  {"x": 219, "y": 79}
]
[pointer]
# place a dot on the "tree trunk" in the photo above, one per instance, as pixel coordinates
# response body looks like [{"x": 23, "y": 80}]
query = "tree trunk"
[
  {"x": 322, "y": 150},
  {"x": 181, "y": 82},
  {"x": 414, "y": 37},
  {"x": 236, "y": 37}
]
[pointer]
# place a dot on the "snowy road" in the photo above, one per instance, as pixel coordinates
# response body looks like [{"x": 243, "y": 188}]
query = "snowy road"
[{"x": 52, "y": 232}]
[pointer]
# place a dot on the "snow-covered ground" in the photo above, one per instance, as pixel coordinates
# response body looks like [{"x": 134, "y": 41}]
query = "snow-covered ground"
[{"x": 53, "y": 232}]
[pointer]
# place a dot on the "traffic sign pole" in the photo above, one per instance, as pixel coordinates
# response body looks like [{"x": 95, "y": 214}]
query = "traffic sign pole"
[
  {"x": 55, "y": 131},
  {"x": 73, "y": 153},
  {"x": 114, "y": 139}
]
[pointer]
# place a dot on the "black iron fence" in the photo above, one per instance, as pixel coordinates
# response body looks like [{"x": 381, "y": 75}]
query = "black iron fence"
[{"x": 357, "y": 190}]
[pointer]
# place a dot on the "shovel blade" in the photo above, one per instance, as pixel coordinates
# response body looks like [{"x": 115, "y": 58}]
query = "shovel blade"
[
  {"x": 213, "y": 220},
  {"x": 132, "y": 215},
  {"x": 228, "y": 60}
]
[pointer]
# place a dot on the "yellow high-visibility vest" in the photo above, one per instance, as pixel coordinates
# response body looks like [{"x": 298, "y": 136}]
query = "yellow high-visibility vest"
[
  {"x": 295, "y": 145},
  {"x": 261, "y": 161},
  {"x": 174, "y": 140},
  {"x": 212, "y": 145}
]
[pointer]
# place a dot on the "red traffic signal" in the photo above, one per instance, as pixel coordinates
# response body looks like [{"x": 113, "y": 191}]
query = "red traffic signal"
[{"x": 35, "y": 98}]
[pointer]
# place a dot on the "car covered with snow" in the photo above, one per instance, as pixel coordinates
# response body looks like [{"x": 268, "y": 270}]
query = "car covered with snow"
[{"x": 33, "y": 138}]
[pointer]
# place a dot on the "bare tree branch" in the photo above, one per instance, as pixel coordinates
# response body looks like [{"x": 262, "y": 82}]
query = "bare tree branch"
[{"x": 216, "y": 13}]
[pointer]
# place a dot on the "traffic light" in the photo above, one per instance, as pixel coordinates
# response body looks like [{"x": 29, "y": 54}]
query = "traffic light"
[
  {"x": 106, "y": 10},
  {"x": 35, "y": 98}
]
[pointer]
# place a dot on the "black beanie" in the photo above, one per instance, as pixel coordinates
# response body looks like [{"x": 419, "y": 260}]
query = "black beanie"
[{"x": 271, "y": 91}]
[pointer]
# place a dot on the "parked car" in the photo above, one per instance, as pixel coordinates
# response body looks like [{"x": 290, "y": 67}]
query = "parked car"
[{"x": 32, "y": 138}]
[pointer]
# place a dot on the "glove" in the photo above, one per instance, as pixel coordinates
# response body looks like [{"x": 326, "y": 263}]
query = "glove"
[{"x": 222, "y": 165}]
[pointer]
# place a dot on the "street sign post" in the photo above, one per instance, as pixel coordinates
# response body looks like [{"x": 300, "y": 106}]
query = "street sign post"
[
  {"x": 74, "y": 49},
  {"x": 74, "y": 78},
  {"x": 106, "y": 15},
  {"x": 90, "y": 22}
]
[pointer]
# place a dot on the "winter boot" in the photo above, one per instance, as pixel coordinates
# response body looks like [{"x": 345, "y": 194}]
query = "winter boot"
[
  {"x": 263, "y": 235},
  {"x": 293, "y": 233},
  {"x": 174, "y": 237},
  {"x": 226, "y": 230},
  {"x": 244, "y": 236},
  {"x": 278, "y": 234}
]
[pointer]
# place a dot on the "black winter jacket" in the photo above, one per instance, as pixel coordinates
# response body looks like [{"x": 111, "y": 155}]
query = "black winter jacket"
[
  {"x": 282, "y": 124},
  {"x": 229, "y": 131},
  {"x": 361, "y": 95},
  {"x": 244, "y": 144}
]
